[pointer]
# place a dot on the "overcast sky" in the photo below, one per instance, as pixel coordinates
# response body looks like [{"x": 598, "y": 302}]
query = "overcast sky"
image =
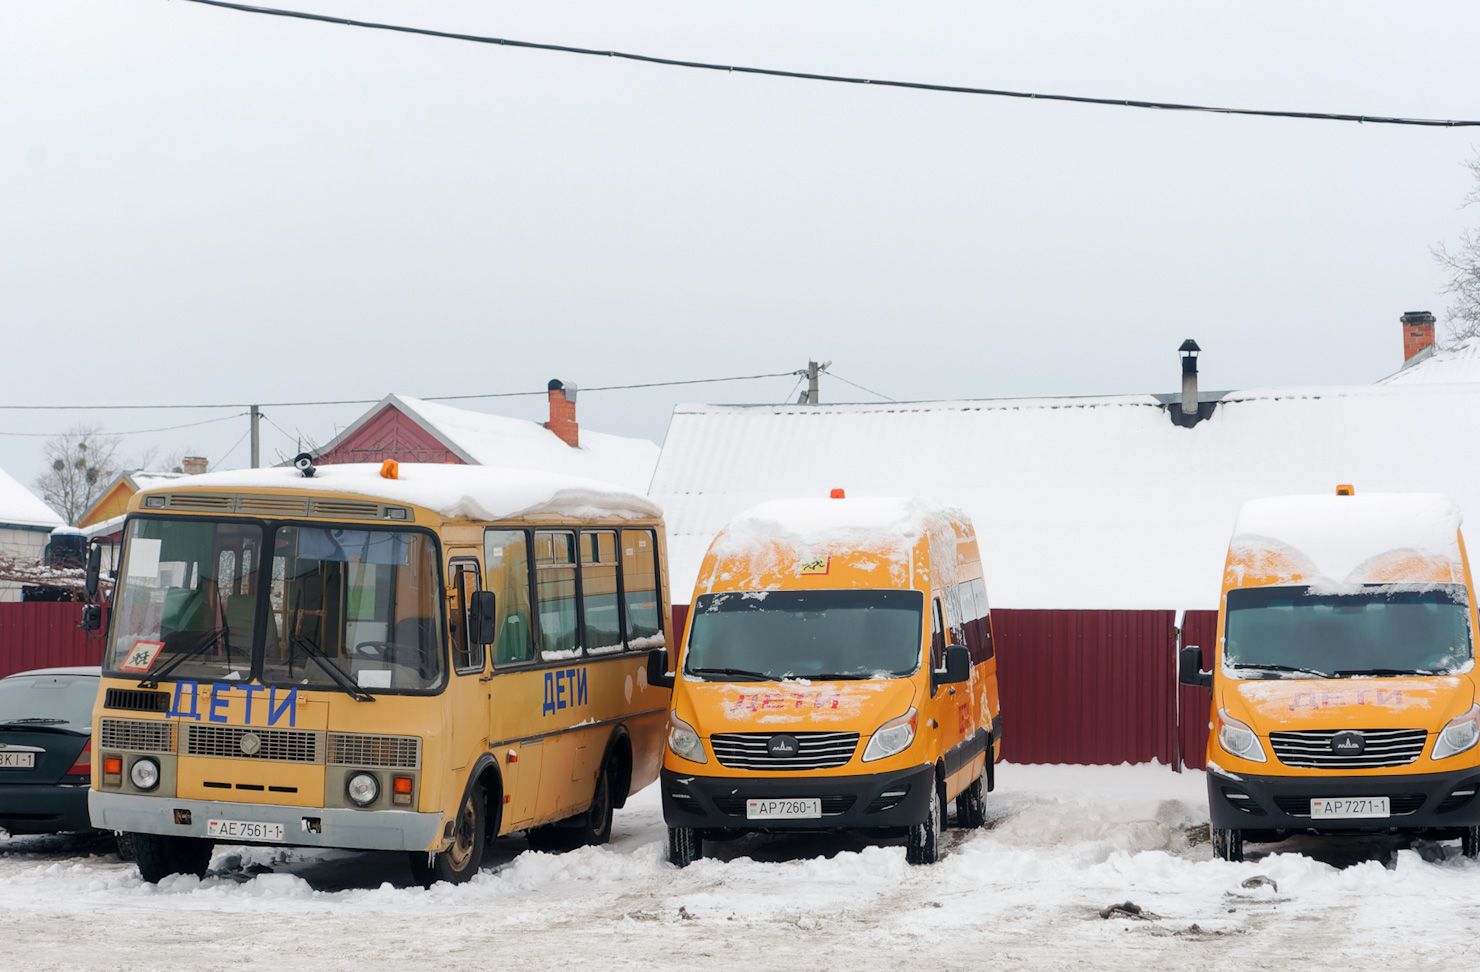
[{"x": 202, "y": 206}]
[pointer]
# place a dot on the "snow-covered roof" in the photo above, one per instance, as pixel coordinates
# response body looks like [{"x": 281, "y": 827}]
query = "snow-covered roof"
[
  {"x": 22, "y": 508},
  {"x": 1443, "y": 366},
  {"x": 478, "y": 492},
  {"x": 482, "y": 439},
  {"x": 1077, "y": 502}
]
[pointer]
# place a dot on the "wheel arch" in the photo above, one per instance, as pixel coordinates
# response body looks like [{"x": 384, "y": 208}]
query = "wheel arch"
[
  {"x": 487, "y": 775},
  {"x": 619, "y": 748}
]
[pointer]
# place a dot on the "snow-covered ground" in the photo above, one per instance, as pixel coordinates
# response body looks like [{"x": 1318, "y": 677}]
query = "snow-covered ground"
[{"x": 1063, "y": 844}]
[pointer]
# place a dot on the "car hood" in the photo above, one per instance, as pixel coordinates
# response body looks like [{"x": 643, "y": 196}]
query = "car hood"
[
  {"x": 1348, "y": 703},
  {"x": 796, "y": 705}
]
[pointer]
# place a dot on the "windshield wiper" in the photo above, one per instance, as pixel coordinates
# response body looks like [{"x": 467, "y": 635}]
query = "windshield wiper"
[
  {"x": 1345, "y": 672},
  {"x": 834, "y": 677},
  {"x": 1285, "y": 668},
  {"x": 742, "y": 672},
  {"x": 322, "y": 660},
  {"x": 152, "y": 678}
]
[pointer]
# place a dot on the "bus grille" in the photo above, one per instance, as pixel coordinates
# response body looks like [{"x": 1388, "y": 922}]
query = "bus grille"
[
  {"x": 278, "y": 745},
  {"x": 391, "y": 752},
  {"x": 1312, "y": 748},
  {"x": 137, "y": 700},
  {"x": 137, "y": 736},
  {"x": 815, "y": 750}
]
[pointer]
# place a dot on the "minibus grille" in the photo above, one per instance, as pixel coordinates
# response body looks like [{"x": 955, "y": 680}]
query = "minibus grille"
[
  {"x": 815, "y": 750},
  {"x": 391, "y": 752},
  {"x": 277, "y": 745},
  {"x": 136, "y": 735},
  {"x": 1312, "y": 748}
]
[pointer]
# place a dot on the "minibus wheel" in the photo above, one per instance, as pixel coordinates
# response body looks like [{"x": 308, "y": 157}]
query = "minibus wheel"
[
  {"x": 1228, "y": 845},
  {"x": 923, "y": 846},
  {"x": 971, "y": 805},
  {"x": 685, "y": 846},
  {"x": 1469, "y": 843},
  {"x": 460, "y": 861},
  {"x": 159, "y": 856}
]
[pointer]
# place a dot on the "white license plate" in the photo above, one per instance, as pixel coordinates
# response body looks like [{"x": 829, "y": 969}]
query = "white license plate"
[
  {"x": 243, "y": 830},
  {"x": 17, "y": 760},
  {"x": 806, "y": 809},
  {"x": 1351, "y": 807}
]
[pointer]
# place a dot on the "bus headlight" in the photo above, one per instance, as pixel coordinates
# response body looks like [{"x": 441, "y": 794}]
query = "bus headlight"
[
  {"x": 1462, "y": 733},
  {"x": 892, "y": 737},
  {"x": 684, "y": 742},
  {"x": 144, "y": 773},
  {"x": 1239, "y": 739},
  {"x": 363, "y": 789}
]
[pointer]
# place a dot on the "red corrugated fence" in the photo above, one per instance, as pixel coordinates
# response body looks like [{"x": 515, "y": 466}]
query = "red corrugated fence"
[{"x": 44, "y": 634}]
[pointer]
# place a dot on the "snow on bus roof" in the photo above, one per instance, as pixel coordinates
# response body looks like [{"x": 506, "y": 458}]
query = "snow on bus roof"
[
  {"x": 1339, "y": 536},
  {"x": 476, "y": 492},
  {"x": 892, "y": 521}
]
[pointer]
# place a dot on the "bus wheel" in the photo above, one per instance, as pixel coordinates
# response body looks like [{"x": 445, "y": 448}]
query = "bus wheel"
[
  {"x": 1469, "y": 843},
  {"x": 159, "y": 856},
  {"x": 685, "y": 846},
  {"x": 460, "y": 861},
  {"x": 971, "y": 805},
  {"x": 1228, "y": 844},
  {"x": 596, "y": 823},
  {"x": 924, "y": 839}
]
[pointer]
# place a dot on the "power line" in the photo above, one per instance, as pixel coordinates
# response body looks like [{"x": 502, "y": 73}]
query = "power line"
[
  {"x": 845, "y": 381},
  {"x": 167, "y": 428},
  {"x": 842, "y": 79}
]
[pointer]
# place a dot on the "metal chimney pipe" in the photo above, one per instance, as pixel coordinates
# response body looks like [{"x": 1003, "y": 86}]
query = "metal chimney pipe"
[{"x": 1189, "y": 351}]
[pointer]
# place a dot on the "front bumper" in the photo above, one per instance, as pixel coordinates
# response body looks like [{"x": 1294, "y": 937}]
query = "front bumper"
[
  {"x": 1418, "y": 802},
  {"x": 37, "y": 808},
  {"x": 393, "y": 830},
  {"x": 865, "y": 802}
]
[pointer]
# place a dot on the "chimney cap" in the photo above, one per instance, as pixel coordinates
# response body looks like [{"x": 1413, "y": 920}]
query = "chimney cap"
[
  {"x": 1417, "y": 317},
  {"x": 555, "y": 385},
  {"x": 1189, "y": 346}
]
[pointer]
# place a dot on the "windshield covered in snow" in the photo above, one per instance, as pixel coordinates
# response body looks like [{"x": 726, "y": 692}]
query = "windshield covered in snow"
[
  {"x": 1393, "y": 629},
  {"x": 312, "y": 605},
  {"x": 772, "y": 635}
]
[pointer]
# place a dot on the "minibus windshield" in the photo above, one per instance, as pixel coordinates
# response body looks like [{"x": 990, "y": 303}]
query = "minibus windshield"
[
  {"x": 1386, "y": 629},
  {"x": 773, "y": 635}
]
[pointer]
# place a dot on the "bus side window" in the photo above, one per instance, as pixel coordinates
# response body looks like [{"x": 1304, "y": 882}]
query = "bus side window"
[
  {"x": 937, "y": 638},
  {"x": 555, "y": 576},
  {"x": 603, "y": 629},
  {"x": 640, "y": 600},
  {"x": 467, "y": 657},
  {"x": 506, "y": 552}
]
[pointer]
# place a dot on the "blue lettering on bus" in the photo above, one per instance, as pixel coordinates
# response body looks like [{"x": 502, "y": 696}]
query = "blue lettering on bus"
[
  {"x": 560, "y": 690},
  {"x": 251, "y": 690},
  {"x": 549, "y": 704},
  {"x": 275, "y": 711},
  {"x": 565, "y": 688},
  {"x": 194, "y": 712},
  {"x": 578, "y": 685},
  {"x": 219, "y": 701}
]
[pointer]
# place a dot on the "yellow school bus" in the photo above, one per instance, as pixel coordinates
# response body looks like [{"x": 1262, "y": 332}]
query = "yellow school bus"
[
  {"x": 837, "y": 672},
  {"x": 411, "y": 658}
]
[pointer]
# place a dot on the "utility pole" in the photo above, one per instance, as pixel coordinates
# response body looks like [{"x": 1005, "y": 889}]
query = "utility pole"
[
  {"x": 809, "y": 397},
  {"x": 256, "y": 437}
]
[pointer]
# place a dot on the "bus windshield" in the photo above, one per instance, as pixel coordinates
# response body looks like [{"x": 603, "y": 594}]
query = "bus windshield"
[
  {"x": 205, "y": 600},
  {"x": 772, "y": 635},
  {"x": 1388, "y": 629}
]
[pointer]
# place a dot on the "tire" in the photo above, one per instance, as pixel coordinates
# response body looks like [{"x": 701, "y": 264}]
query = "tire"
[
  {"x": 685, "y": 846},
  {"x": 971, "y": 805},
  {"x": 1469, "y": 843},
  {"x": 125, "y": 842},
  {"x": 159, "y": 856},
  {"x": 1228, "y": 845},
  {"x": 925, "y": 837},
  {"x": 459, "y": 862}
]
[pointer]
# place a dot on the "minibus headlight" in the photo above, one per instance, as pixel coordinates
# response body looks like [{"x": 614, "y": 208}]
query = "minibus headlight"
[
  {"x": 684, "y": 741},
  {"x": 892, "y": 737},
  {"x": 1239, "y": 739},
  {"x": 144, "y": 773},
  {"x": 1462, "y": 733},
  {"x": 363, "y": 789}
]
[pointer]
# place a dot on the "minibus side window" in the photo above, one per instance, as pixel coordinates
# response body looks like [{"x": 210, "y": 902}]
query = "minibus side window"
[
  {"x": 467, "y": 657},
  {"x": 602, "y": 622},
  {"x": 506, "y": 552},
  {"x": 953, "y": 598},
  {"x": 555, "y": 580},
  {"x": 640, "y": 587},
  {"x": 983, "y": 649},
  {"x": 937, "y": 638}
]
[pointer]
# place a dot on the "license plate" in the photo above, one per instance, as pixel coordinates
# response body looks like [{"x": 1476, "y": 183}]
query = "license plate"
[
  {"x": 1351, "y": 807},
  {"x": 17, "y": 760},
  {"x": 243, "y": 830},
  {"x": 806, "y": 809}
]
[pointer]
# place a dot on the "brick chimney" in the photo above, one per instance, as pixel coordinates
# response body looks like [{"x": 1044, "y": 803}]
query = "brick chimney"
[
  {"x": 1418, "y": 333},
  {"x": 193, "y": 465},
  {"x": 563, "y": 413}
]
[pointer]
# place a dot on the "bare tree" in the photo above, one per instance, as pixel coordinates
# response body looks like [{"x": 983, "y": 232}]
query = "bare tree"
[
  {"x": 1463, "y": 316},
  {"x": 81, "y": 462}
]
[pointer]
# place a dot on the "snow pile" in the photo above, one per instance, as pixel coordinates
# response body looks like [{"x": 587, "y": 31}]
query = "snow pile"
[
  {"x": 1460, "y": 363},
  {"x": 21, "y": 507},
  {"x": 1345, "y": 540},
  {"x": 476, "y": 492}
]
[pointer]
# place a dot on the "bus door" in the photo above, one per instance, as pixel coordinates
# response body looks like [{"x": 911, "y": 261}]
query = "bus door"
[
  {"x": 521, "y": 769},
  {"x": 466, "y": 696}
]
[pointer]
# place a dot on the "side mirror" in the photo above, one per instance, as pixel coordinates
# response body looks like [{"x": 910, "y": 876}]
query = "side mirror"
[
  {"x": 483, "y": 617},
  {"x": 958, "y": 667},
  {"x": 657, "y": 669},
  {"x": 94, "y": 567},
  {"x": 1190, "y": 668},
  {"x": 92, "y": 617}
]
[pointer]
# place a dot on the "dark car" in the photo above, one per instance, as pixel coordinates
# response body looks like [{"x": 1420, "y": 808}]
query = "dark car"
[{"x": 46, "y": 749}]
